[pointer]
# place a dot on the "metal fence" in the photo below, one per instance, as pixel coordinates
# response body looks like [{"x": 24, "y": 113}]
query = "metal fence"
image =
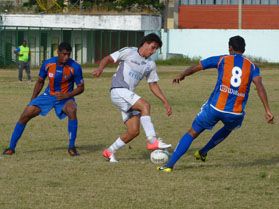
[{"x": 89, "y": 46}]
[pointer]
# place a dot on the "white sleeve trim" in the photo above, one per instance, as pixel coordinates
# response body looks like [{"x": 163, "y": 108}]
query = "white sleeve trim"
[{"x": 115, "y": 56}]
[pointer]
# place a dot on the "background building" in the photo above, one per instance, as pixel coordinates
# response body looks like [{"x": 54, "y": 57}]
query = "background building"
[
  {"x": 200, "y": 28},
  {"x": 193, "y": 28},
  {"x": 92, "y": 36}
]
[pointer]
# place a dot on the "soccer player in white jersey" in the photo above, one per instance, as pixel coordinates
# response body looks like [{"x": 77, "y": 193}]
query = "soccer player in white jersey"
[{"x": 134, "y": 65}]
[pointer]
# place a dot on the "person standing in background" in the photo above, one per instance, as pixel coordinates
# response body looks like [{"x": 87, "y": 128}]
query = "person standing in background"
[{"x": 23, "y": 53}]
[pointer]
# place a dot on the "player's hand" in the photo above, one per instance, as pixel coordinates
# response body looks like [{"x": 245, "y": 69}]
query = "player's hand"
[
  {"x": 177, "y": 79},
  {"x": 96, "y": 73},
  {"x": 61, "y": 96},
  {"x": 269, "y": 117},
  {"x": 168, "y": 109}
]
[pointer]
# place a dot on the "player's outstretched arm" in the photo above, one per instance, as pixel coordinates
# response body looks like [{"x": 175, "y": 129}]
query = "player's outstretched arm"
[
  {"x": 38, "y": 87},
  {"x": 263, "y": 96},
  {"x": 106, "y": 60},
  {"x": 78, "y": 90},
  {"x": 156, "y": 90},
  {"x": 188, "y": 71}
]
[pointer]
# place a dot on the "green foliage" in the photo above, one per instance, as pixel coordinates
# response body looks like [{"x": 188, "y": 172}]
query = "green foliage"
[
  {"x": 184, "y": 61},
  {"x": 262, "y": 63},
  {"x": 56, "y": 6},
  {"x": 179, "y": 61},
  {"x": 121, "y": 5},
  {"x": 128, "y": 4},
  {"x": 6, "y": 8}
]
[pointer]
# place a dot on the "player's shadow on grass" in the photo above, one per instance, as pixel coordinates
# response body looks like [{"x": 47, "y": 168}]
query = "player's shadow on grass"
[
  {"x": 91, "y": 148},
  {"x": 257, "y": 162},
  {"x": 272, "y": 161},
  {"x": 83, "y": 149}
]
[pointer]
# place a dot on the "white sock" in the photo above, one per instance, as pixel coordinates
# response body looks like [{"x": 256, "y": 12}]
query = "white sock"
[
  {"x": 148, "y": 128},
  {"x": 118, "y": 144}
]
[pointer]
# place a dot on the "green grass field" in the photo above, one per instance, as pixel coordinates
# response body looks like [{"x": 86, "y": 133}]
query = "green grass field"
[{"x": 242, "y": 172}]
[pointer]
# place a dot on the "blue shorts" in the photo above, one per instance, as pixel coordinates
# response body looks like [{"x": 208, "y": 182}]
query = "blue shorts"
[
  {"x": 208, "y": 117},
  {"x": 46, "y": 102}
]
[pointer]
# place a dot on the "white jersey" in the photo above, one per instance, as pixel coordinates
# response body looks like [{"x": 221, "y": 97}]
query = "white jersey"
[{"x": 132, "y": 68}]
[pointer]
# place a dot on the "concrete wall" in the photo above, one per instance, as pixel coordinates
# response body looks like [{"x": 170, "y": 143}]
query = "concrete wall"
[
  {"x": 98, "y": 22},
  {"x": 203, "y": 43}
]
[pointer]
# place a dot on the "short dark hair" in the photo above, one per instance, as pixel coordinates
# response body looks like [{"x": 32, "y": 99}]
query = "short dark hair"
[
  {"x": 64, "y": 46},
  {"x": 237, "y": 43},
  {"x": 152, "y": 37}
]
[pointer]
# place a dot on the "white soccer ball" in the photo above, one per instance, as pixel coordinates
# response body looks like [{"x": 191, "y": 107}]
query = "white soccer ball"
[{"x": 159, "y": 156}]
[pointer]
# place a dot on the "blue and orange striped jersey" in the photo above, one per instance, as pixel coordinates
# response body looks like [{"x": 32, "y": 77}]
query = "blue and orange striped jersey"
[
  {"x": 61, "y": 78},
  {"x": 235, "y": 74}
]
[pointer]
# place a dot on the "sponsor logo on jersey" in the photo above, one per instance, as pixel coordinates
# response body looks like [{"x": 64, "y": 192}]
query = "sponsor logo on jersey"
[
  {"x": 50, "y": 75},
  {"x": 135, "y": 62},
  {"x": 226, "y": 89},
  {"x": 135, "y": 75}
]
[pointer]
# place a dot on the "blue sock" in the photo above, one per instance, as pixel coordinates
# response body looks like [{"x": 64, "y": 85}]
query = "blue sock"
[
  {"x": 18, "y": 130},
  {"x": 72, "y": 129},
  {"x": 180, "y": 149},
  {"x": 218, "y": 137}
]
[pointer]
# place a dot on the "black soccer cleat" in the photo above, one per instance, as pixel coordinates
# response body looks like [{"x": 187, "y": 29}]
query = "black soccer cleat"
[
  {"x": 73, "y": 151},
  {"x": 199, "y": 156},
  {"x": 8, "y": 151}
]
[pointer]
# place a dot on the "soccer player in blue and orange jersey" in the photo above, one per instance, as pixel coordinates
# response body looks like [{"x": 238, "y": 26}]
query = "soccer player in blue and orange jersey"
[
  {"x": 62, "y": 72},
  {"x": 227, "y": 101}
]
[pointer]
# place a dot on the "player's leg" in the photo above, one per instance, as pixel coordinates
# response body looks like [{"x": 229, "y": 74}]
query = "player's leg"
[
  {"x": 70, "y": 109},
  {"x": 182, "y": 146},
  {"x": 230, "y": 123},
  {"x": 133, "y": 129},
  {"x": 144, "y": 108},
  {"x": 152, "y": 141},
  {"x": 20, "y": 70},
  {"x": 204, "y": 120},
  {"x": 28, "y": 113},
  {"x": 217, "y": 138},
  {"x": 27, "y": 69}
]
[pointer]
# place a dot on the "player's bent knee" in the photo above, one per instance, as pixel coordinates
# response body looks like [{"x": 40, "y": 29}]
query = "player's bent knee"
[
  {"x": 134, "y": 132},
  {"x": 146, "y": 108},
  {"x": 193, "y": 133},
  {"x": 29, "y": 113},
  {"x": 71, "y": 112}
]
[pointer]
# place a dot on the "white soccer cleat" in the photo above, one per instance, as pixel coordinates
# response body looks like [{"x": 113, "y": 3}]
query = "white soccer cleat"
[
  {"x": 158, "y": 144},
  {"x": 113, "y": 159},
  {"x": 109, "y": 156}
]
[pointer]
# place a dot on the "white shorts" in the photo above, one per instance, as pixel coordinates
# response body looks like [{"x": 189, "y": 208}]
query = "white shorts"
[{"x": 124, "y": 99}]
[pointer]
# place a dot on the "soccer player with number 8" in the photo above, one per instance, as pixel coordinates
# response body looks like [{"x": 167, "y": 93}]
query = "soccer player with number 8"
[{"x": 226, "y": 103}]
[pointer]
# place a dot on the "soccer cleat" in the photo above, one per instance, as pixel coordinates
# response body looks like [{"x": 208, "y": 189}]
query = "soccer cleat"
[
  {"x": 8, "y": 151},
  {"x": 109, "y": 156},
  {"x": 73, "y": 152},
  {"x": 164, "y": 169},
  {"x": 158, "y": 144},
  {"x": 199, "y": 156}
]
